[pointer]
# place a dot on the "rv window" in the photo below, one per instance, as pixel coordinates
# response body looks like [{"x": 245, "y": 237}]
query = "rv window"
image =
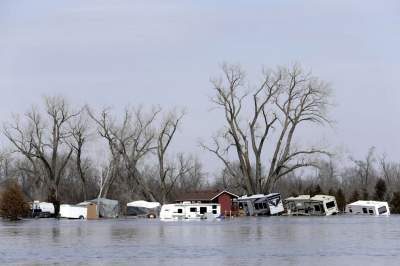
[
  {"x": 214, "y": 211},
  {"x": 265, "y": 205},
  {"x": 256, "y": 206},
  {"x": 214, "y": 207},
  {"x": 193, "y": 209},
  {"x": 382, "y": 210},
  {"x": 350, "y": 210},
  {"x": 365, "y": 210},
  {"x": 330, "y": 205},
  {"x": 240, "y": 205},
  {"x": 203, "y": 210},
  {"x": 317, "y": 208},
  {"x": 371, "y": 211},
  {"x": 180, "y": 211}
]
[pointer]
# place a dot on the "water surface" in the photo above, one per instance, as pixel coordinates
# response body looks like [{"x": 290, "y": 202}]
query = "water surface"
[{"x": 324, "y": 241}]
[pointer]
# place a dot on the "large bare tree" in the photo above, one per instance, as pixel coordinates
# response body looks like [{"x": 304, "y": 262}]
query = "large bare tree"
[
  {"x": 43, "y": 140},
  {"x": 169, "y": 173},
  {"x": 284, "y": 99},
  {"x": 129, "y": 141},
  {"x": 79, "y": 138}
]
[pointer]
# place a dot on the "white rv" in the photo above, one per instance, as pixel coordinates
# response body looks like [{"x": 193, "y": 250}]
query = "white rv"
[
  {"x": 188, "y": 210},
  {"x": 259, "y": 204},
  {"x": 376, "y": 208},
  {"x": 73, "y": 211},
  {"x": 319, "y": 205}
]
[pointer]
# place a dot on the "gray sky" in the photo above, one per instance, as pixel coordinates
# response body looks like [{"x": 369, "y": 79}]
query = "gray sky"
[{"x": 115, "y": 53}]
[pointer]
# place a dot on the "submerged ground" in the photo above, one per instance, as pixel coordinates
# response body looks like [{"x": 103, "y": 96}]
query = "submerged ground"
[{"x": 324, "y": 241}]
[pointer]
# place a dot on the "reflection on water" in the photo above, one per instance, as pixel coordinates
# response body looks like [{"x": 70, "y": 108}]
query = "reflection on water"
[{"x": 246, "y": 241}]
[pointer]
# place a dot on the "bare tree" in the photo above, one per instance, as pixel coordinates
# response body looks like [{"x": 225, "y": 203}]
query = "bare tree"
[
  {"x": 365, "y": 170},
  {"x": 79, "y": 137},
  {"x": 129, "y": 142},
  {"x": 44, "y": 142},
  {"x": 284, "y": 100},
  {"x": 168, "y": 174}
]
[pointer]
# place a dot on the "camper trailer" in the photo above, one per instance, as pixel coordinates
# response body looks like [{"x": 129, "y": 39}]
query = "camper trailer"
[
  {"x": 42, "y": 209},
  {"x": 73, "y": 211},
  {"x": 319, "y": 205},
  {"x": 259, "y": 204},
  {"x": 375, "y": 208},
  {"x": 143, "y": 208},
  {"x": 187, "y": 210}
]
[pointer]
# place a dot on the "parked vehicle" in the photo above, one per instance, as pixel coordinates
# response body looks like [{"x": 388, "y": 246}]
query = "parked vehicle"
[
  {"x": 73, "y": 211},
  {"x": 143, "y": 208},
  {"x": 318, "y": 205},
  {"x": 362, "y": 207},
  {"x": 183, "y": 211},
  {"x": 259, "y": 204},
  {"x": 42, "y": 209}
]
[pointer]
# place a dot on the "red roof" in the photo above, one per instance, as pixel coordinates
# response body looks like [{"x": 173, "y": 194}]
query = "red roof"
[{"x": 205, "y": 195}]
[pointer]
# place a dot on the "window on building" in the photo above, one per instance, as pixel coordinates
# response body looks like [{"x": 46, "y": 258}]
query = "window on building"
[
  {"x": 371, "y": 211},
  {"x": 365, "y": 210},
  {"x": 203, "y": 210},
  {"x": 256, "y": 206},
  {"x": 330, "y": 205},
  {"x": 382, "y": 210},
  {"x": 265, "y": 205},
  {"x": 179, "y": 211},
  {"x": 317, "y": 208},
  {"x": 214, "y": 211},
  {"x": 214, "y": 207},
  {"x": 193, "y": 209}
]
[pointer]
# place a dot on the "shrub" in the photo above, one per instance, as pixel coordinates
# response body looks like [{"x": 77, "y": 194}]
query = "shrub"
[
  {"x": 12, "y": 203},
  {"x": 395, "y": 203},
  {"x": 355, "y": 196},
  {"x": 340, "y": 199},
  {"x": 380, "y": 189}
]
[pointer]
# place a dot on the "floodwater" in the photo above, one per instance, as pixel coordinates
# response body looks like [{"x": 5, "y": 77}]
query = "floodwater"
[{"x": 339, "y": 240}]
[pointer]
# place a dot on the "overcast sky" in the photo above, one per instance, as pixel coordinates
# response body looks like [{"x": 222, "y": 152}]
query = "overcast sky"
[{"x": 113, "y": 53}]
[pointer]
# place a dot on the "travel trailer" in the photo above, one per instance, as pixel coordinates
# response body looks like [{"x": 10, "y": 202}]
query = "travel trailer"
[
  {"x": 187, "y": 210},
  {"x": 375, "y": 208},
  {"x": 259, "y": 204},
  {"x": 319, "y": 205},
  {"x": 73, "y": 211},
  {"x": 143, "y": 208},
  {"x": 42, "y": 209}
]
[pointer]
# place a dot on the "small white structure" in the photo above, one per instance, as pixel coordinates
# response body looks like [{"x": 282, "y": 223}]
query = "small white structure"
[
  {"x": 376, "y": 208},
  {"x": 311, "y": 206},
  {"x": 73, "y": 211},
  {"x": 42, "y": 209},
  {"x": 143, "y": 208},
  {"x": 188, "y": 210}
]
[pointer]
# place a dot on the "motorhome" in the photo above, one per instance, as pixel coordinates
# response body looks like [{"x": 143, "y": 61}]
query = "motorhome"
[
  {"x": 143, "y": 208},
  {"x": 187, "y": 210},
  {"x": 259, "y": 204},
  {"x": 73, "y": 211},
  {"x": 319, "y": 205},
  {"x": 375, "y": 208}
]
